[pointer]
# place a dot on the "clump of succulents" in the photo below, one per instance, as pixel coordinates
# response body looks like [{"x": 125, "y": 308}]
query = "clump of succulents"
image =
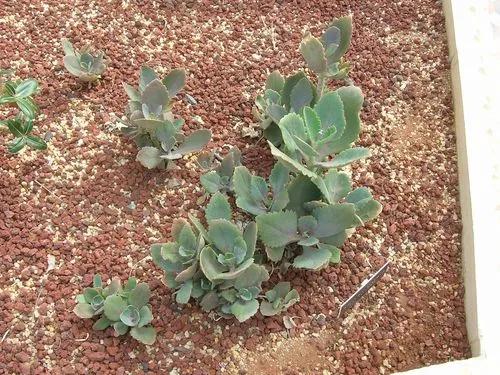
[
  {"x": 220, "y": 174},
  {"x": 151, "y": 124},
  {"x": 85, "y": 64},
  {"x": 123, "y": 308},
  {"x": 214, "y": 266},
  {"x": 303, "y": 212},
  {"x": 17, "y": 93},
  {"x": 284, "y": 95}
]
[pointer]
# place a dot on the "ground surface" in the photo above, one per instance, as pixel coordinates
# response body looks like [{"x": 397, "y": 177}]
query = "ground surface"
[{"x": 87, "y": 203}]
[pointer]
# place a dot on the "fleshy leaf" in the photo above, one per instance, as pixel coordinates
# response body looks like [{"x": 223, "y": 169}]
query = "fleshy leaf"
[
  {"x": 313, "y": 52},
  {"x": 218, "y": 208},
  {"x": 113, "y": 307},
  {"x": 312, "y": 258},
  {"x": 244, "y": 310},
  {"x": 277, "y": 229},
  {"x": 84, "y": 310},
  {"x": 146, "y": 335},
  {"x": 275, "y": 81},
  {"x": 140, "y": 295},
  {"x": 149, "y": 157},
  {"x": 175, "y": 81}
]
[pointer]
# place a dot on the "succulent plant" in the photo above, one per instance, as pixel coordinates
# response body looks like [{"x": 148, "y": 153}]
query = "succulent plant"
[
  {"x": 151, "y": 123},
  {"x": 280, "y": 298},
  {"x": 253, "y": 194},
  {"x": 219, "y": 177},
  {"x": 320, "y": 138},
  {"x": 284, "y": 95},
  {"x": 85, "y": 64},
  {"x": 215, "y": 265},
  {"x": 124, "y": 308},
  {"x": 20, "y": 94}
]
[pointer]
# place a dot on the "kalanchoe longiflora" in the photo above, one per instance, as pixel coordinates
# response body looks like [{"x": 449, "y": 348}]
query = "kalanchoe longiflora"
[
  {"x": 321, "y": 214},
  {"x": 151, "y": 123},
  {"x": 123, "y": 308},
  {"x": 85, "y": 64},
  {"x": 219, "y": 177},
  {"x": 20, "y": 94},
  {"x": 280, "y": 298},
  {"x": 222, "y": 276},
  {"x": 324, "y": 58}
]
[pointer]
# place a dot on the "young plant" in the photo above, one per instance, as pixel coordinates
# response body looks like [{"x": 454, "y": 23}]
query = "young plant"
[
  {"x": 216, "y": 265},
  {"x": 124, "y": 308},
  {"x": 151, "y": 123},
  {"x": 279, "y": 299},
  {"x": 283, "y": 95},
  {"x": 87, "y": 65},
  {"x": 219, "y": 178},
  {"x": 20, "y": 94}
]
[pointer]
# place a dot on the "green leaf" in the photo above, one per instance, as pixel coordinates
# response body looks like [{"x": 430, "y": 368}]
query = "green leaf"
[
  {"x": 15, "y": 128},
  {"x": 194, "y": 142},
  {"x": 67, "y": 47},
  {"x": 89, "y": 294},
  {"x": 27, "y": 107},
  {"x": 26, "y": 88},
  {"x": 312, "y": 258},
  {"x": 184, "y": 293},
  {"x": 344, "y": 24},
  {"x": 335, "y": 218},
  {"x": 275, "y": 253},
  {"x": 358, "y": 195},
  {"x": 301, "y": 190},
  {"x": 132, "y": 93},
  {"x": 210, "y": 301},
  {"x": 267, "y": 309},
  {"x": 330, "y": 110},
  {"x": 224, "y": 235},
  {"x": 147, "y": 75},
  {"x": 149, "y": 157},
  {"x": 214, "y": 271},
  {"x": 346, "y": 157},
  {"x": 101, "y": 324},
  {"x": 130, "y": 284},
  {"x": 130, "y": 316},
  {"x": 313, "y": 123},
  {"x": 17, "y": 145},
  {"x": 275, "y": 81},
  {"x": 301, "y": 95},
  {"x": 140, "y": 295},
  {"x": 368, "y": 209},
  {"x": 250, "y": 238},
  {"x": 146, "y": 335},
  {"x": 186, "y": 237},
  {"x": 218, "y": 208},
  {"x": 289, "y": 162},
  {"x": 113, "y": 307},
  {"x": 72, "y": 65},
  {"x": 331, "y": 40},
  {"x": 290, "y": 83},
  {"x": 84, "y": 310},
  {"x": 36, "y": 142},
  {"x": 120, "y": 328},
  {"x": 313, "y": 52},
  {"x": 277, "y": 228},
  {"x": 334, "y": 185},
  {"x": 211, "y": 181},
  {"x": 244, "y": 310},
  {"x": 97, "y": 281},
  {"x": 334, "y": 251},
  {"x": 352, "y": 100},
  {"x": 276, "y": 112},
  {"x": 175, "y": 81},
  {"x": 155, "y": 97}
]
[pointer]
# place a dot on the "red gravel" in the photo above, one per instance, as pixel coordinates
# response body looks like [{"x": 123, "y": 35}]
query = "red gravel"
[{"x": 73, "y": 201}]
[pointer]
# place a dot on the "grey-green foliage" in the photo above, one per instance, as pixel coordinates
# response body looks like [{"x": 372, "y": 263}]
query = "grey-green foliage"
[
  {"x": 151, "y": 123},
  {"x": 214, "y": 266},
  {"x": 85, "y": 64},
  {"x": 283, "y": 95},
  {"x": 220, "y": 174},
  {"x": 123, "y": 308},
  {"x": 256, "y": 196},
  {"x": 279, "y": 299},
  {"x": 20, "y": 94}
]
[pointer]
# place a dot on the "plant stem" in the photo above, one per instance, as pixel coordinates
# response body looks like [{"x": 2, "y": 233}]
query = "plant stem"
[{"x": 321, "y": 85}]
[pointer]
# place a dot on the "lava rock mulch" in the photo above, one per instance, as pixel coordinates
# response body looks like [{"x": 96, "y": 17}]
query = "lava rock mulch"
[{"x": 88, "y": 203}]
